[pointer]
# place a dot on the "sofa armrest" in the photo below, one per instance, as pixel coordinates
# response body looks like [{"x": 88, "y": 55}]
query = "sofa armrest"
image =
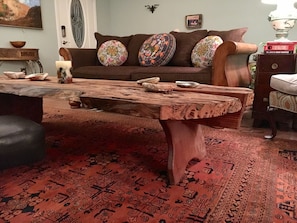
[
  {"x": 80, "y": 56},
  {"x": 230, "y": 64}
]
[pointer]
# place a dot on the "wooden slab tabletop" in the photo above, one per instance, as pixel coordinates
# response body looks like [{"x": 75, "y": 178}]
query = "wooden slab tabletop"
[{"x": 123, "y": 96}]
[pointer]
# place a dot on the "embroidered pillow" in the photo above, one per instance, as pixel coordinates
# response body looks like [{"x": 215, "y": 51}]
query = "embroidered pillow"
[
  {"x": 204, "y": 51},
  {"x": 112, "y": 53},
  {"x": 157, "y": 50}
]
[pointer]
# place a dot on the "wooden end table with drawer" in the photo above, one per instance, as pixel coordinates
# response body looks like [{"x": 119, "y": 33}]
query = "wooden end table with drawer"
[
  {"x": 268, "y": 65},
  {"x": 21, "y": 54}
]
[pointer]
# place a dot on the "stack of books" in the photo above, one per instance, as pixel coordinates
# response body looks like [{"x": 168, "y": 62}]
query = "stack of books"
[{"x": 272, "y": 47}]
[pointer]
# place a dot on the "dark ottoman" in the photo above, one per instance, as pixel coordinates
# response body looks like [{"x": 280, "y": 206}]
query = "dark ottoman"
[{"x": 22, "y": 141}]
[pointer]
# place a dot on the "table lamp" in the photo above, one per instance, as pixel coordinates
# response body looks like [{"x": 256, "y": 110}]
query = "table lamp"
[{"x": 283, "y": 18}]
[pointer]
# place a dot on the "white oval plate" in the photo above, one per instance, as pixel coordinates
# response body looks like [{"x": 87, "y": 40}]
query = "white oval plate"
[
  {"x": 37, "y": 76},
  {"x": 14, "y": 75},
  {"x": 190, "y": 84}
]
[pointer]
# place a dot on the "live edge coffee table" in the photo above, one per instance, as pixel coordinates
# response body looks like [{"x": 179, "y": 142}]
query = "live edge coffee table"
[{"x": 180, "y": 112}]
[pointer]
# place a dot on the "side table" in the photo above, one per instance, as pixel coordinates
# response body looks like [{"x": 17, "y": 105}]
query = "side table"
[
  {"x": 267, "y": 65},
  {"x": 21, "y": 54}
]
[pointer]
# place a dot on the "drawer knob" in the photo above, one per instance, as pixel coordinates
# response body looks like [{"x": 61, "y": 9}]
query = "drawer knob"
[
  {"x": 265, "y": 100},
  {"x": 274, "y": 66}
]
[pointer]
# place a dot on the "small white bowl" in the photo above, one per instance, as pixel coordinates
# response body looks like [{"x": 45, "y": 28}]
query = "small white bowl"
[
  {"x": 186, "y": 84},
  {"x": 37, "y": 76},
  {"x": 14, "y": 75}
]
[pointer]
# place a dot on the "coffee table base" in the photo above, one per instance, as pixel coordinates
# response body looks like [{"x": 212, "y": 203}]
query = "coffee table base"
[
  {"x": 185, "y": 142},
  {"x": 26, "y": 107}
]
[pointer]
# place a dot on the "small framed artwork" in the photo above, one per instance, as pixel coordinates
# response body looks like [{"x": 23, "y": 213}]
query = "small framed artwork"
[{"x": 194, "y": 21}]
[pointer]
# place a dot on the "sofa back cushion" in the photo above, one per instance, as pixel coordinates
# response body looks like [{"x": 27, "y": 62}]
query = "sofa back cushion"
[
  {"x": 157, "y": 50},
  {"x": 134, "y": 45},
  {"x": 185, "y": 42},
  {"x": 235, "y": 35},
  {"x": 103, "y": 38}
]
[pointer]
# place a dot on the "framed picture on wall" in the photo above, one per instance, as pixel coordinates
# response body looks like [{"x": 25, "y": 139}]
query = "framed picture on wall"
[
  {"x": 21, "y": 13},
  {"x": 194, "y": 21}
]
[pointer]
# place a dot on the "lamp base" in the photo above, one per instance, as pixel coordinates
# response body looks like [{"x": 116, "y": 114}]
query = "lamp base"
[
  {"x": 282, "y": 28},
  {"x": 281, "y": 38}
]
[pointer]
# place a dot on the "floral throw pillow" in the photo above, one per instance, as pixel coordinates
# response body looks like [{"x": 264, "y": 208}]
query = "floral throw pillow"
[
  {"x": 204, "y": 51},
  {"x": 112, "y": 53},
  {"x": 157, "y": 50}
]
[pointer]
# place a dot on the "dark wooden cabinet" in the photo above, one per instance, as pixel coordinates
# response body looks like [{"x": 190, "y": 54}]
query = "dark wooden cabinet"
[{"x": 267, "y": 65}]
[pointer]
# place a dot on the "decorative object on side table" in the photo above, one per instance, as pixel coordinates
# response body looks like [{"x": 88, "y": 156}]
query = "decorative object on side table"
[
  {"x": 18, "y": 44},
  {"x": 283, "y": 18}
]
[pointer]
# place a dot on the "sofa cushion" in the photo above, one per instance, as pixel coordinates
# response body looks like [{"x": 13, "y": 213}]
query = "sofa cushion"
[
  {"x": 204, "y": 51},
  {"x": 173, "y": 73},
  {"x": 157, "y": 50},
  {"x": 286, "y": 83},
  {"x": 235, "y": 35},
  {"x": 185, "y": 42},
  {"x": 103, "y": 72},
  {"x": 103, "y": 38},
  {"x": 112, "y": 53},
  {"x": 134, "y": 73},
  {"x": 134, "y": 45}
]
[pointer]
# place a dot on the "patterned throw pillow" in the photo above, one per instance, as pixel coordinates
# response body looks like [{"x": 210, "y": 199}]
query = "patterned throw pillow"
[
  {"x": 112, "y": 53},
  {"x": 204, "y": 51},
  {"x": 157, "y": 50}
]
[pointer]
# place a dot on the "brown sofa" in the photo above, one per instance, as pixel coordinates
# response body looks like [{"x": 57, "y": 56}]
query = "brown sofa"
[{"x": 229, "y": 64}]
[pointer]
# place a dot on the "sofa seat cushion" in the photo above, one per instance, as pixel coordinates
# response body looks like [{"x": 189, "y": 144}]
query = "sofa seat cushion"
[
  {"x": 185, "y": 42},
  {"x": 283, "y": 101},
  {"x": 204, "y": 50},
  {"x": 173, "y": 73},
  {"x": 112, "y": 53},
  {"x": 157, "y": 50},
  {"x": 134, "y": 73},
  {"x": 102, "y": 72},
  {"x": 286, "y": 83}
]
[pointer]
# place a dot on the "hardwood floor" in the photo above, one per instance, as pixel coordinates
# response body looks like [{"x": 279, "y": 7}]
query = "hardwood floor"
[{"x": 247, "y": 126}]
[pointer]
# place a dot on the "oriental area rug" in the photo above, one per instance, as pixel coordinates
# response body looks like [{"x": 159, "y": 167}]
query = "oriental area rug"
[{"x": 108, "y": 168}]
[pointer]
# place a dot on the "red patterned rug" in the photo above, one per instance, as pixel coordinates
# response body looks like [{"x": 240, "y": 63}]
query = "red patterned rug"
[{"x": 112, "y": 169}]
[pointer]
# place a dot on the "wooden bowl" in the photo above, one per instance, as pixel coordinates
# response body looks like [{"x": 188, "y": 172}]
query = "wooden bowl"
[{"x": 18, "y": 44}]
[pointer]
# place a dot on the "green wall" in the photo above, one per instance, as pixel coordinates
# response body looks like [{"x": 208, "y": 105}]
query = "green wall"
[{"x": 125, "y": 17}]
